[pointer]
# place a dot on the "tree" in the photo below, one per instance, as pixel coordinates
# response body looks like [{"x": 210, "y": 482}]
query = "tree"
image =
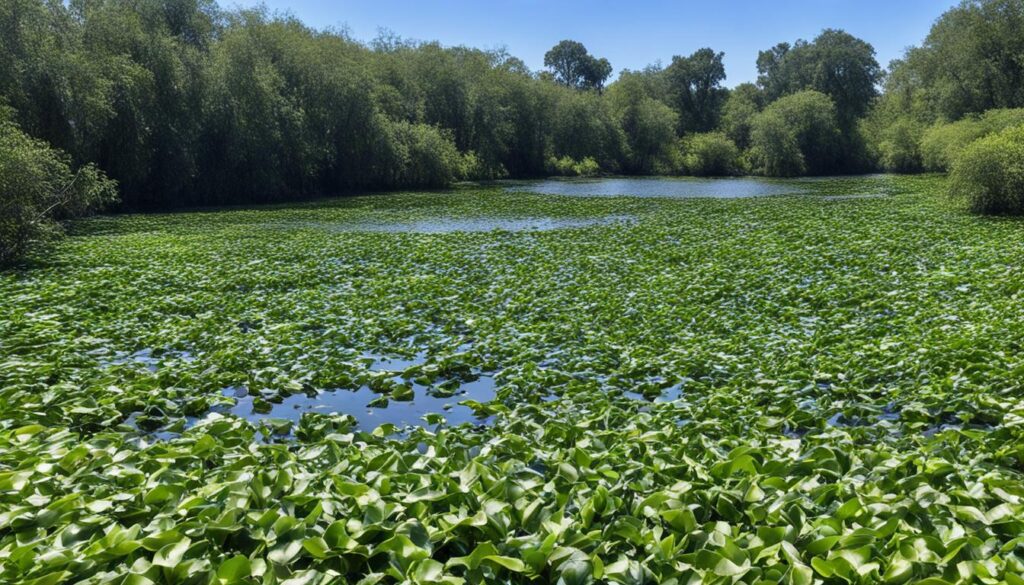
[
  {"x": 738, "y": 113},
  {"x": 584, "y": 126},
  {"x": 649, "y": 126},
  {"x": 38, "y": 188},
  {"x": 971, "y": 61},
  {"x": 597, "y": 72},
  {"x": 572, "y": 65},
  {"x": 695, "y": 83},
  {"x": 836, "y": 64},
  {"x": 798, "y": 133}
]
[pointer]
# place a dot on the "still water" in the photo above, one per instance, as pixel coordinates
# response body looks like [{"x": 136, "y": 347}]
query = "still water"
[{"x": 682, "y": 188}]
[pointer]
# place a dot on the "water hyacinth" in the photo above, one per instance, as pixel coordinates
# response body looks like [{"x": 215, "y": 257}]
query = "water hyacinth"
[{"x": 807, "y": 388}]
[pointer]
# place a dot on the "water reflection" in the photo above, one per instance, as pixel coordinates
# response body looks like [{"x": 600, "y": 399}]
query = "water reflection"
[
  {"x": 442, "y": 225},
  {"x": 357, "y": 403},
  {"x": 727, "y": 188}
]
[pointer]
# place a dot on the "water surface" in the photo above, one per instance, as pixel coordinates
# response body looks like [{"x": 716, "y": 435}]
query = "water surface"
[
  {"x": 683, "y": 188},
  {"x": 358, "y": 404},
  {"x": 442, "y": 225}
]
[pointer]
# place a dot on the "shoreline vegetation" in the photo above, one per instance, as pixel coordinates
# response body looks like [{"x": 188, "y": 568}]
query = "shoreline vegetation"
[{"x": 182, "y": 103}]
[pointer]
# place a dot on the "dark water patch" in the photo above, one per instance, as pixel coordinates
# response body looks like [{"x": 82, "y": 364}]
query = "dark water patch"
[
  {"x": 367, "y": 407},
  {"x": 385, "y": 363},
  {"x": 654, "y": 390},
  {"x": 371, "y": 409},
  {"x": 682, "y": 188}
]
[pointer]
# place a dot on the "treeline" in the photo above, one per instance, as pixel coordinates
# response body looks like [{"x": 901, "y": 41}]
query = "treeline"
[
  {"x": 183, "y": 103},
  {"x": 956, "y": 103}
]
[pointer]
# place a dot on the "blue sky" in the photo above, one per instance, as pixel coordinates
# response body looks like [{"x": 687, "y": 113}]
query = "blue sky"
[{"x": 630, "y": 34}]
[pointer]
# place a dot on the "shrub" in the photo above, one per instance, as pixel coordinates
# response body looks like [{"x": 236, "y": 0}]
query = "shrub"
[
  {"x": 775, "y": 151},
  {"x": 570, "y": 167},
  {"x": 38, "y": 189},
  {"x": 943, "y": 143},
  {"x": 900, "y": 146},
  {"x": 710, "y": 154},
  {"x": 476, "y": 168},
  {"x": 989, "y": 174},
  {"x": 795, "y": 135},
  {"x": 419, "y": 155}
]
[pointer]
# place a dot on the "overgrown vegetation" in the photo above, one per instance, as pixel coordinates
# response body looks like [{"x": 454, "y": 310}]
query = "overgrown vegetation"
[
  {"x": 38, "y": 188},
  {"x": 183, "y": 103},
  {"x": 962, "y": 84},
  {"x": 990, "y": 173},
  {"x": 710, "y": 154},
  {"x": 835, "y": 383}
]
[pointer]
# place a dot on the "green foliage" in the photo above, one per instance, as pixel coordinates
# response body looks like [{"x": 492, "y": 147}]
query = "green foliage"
[
  {"x": 834, "y": 394},
  {"x": 184, "y": 103},
  {"x": 695, "y": 82},
  {"x": 900, "y": 146},
  {"x": 989, "y": 174},
  {"x": 421, "y": 155},
  {"x": 972, "y": 61},
  {"x": 795, "y": 135},
  {"x": 572, "y": 65},
  {"x": 38, "y": 188},
  {"x": 942, "y": 144},
  {"x": 570, "y": 167},
  {"x": 710, "y": 155},
  {"x": 835, "y": 63}
]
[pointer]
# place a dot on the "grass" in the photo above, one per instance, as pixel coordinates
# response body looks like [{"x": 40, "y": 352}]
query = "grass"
[{"x": 784, "y": 389}]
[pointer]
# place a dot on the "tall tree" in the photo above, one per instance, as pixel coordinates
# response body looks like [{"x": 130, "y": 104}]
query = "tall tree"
[
  {"x": 836, "y": 64},
  {"x": 696, "y": 84},
  {"x": 572, "y": 65},
  {"x": 971, "y": 61}
]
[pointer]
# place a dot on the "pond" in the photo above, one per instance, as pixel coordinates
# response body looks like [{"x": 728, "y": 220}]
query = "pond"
[{"x": 682, "y": 188}]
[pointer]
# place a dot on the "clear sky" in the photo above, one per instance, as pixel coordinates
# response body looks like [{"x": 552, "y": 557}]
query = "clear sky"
[{"x": 630, "y": 34}]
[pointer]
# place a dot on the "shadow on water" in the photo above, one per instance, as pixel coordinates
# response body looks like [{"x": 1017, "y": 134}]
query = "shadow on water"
[{"x": 683, "y": 188}]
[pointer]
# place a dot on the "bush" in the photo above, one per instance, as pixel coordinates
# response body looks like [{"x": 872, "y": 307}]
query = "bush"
[
  {"x": 900, "y": 146},
  {"x": 38, "y": 189},
  {"x": 775, "y": 151},
  {"x": 710, "y": 155},
  {"x": 943, "y": 143},
  {"x": 989, "y": 174},
  {"x": 795, "y": 135},
  {"x": 570, "y": 167},
  {"x": 419, "y": 155}
]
